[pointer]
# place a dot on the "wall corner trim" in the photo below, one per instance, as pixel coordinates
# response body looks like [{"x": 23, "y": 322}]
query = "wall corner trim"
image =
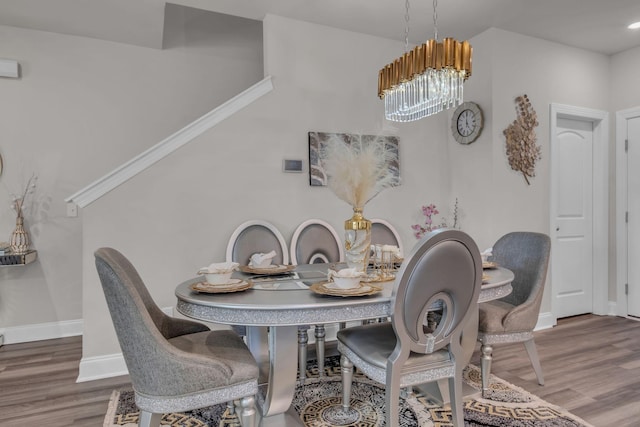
[{"x": 113, "y": 179}]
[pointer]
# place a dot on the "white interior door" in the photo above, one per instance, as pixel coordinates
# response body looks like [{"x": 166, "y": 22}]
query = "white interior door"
[
  {"x": 633, "y": 209},
  {"x": 572, "y": 253}
]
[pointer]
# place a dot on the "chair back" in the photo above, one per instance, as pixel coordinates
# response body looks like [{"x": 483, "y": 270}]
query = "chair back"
[
  {"x": 443, "y": 270},
  {"x": 315, "y": 241},
  {"x": 383, "y": 233},
  {"x": 137, "y": 319},
  {"x": 256, "y": 236},
  {"x": 527, "y": 255}
]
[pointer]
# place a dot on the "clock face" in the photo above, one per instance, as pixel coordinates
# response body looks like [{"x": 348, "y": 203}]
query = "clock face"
[{"x": 467, "y": 123}]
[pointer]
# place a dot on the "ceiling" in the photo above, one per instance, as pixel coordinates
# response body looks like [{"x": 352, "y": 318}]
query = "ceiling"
[{"x": 595, "y": 25}]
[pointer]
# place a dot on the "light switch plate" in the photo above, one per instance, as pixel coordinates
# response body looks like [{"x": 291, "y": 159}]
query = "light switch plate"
[{"x": 9, "y": 68}]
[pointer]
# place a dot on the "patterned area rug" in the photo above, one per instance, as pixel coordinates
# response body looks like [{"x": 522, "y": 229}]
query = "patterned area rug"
[{"x": 318, "y": 402}]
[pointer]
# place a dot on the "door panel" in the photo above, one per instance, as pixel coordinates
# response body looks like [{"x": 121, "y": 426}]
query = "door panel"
[{"x": 572, "y": 256}]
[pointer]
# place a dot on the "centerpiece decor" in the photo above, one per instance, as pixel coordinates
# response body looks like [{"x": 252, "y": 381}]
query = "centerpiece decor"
[
  {"x": 357, "y": 171},
  {"x": 19, "y": 241},
  {"x": 429, "y": 212}
]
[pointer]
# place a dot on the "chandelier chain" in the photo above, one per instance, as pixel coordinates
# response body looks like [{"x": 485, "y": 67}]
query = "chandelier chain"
[
  {"x": 435, "y": 19},
  {"x": 406, "y": 28}
]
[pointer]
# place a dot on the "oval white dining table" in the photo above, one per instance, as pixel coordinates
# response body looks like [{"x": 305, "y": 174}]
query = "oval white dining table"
[{"x": 281, "y": 304}]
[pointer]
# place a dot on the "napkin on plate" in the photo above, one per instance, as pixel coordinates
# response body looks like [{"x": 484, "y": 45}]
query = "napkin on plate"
[
  {"x": 261, "y": 260},
  {"x": 345, "y": 272},
  {"x": 486, "y": 254},
  {"x": 219, "y": 267}
]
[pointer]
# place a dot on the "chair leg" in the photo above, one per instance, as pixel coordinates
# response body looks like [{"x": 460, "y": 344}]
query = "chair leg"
[
  {"x": 147, "y": 419},
  {"x": 231, "y": 407},
  {"x": 319, "y": 335},
  {"x": 347, "y": 376},
  {"x": 455, "y": 397},
  {"x": 248, "y": 412},
  {"x": 303, "y": 339},
  {"x": 530, "y": 345},
  {"x": 392, "y": 399},
  {"x": 485, "y": 366}
]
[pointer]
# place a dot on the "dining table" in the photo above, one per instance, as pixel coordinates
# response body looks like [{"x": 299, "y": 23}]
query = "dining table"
[{"x": 275, "y": 305}]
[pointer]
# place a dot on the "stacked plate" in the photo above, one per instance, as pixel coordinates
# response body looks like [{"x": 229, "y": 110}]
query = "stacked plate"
[
  {"x": 330, "y": 288},
  {"x": 233, "y": 285}
]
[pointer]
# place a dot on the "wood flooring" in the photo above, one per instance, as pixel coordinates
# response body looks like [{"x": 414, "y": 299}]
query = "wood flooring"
[{"x": 591, "y": 366}]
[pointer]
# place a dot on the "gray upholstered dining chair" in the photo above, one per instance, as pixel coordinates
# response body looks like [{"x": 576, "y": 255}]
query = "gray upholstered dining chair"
[
  {"x": 512, "y": 319},
  {"x": 313, "y": 242},
  {"x": 255, "y": 236},
  {"x": 444, "y": 270},
  {"x": 174, "y": 364}
]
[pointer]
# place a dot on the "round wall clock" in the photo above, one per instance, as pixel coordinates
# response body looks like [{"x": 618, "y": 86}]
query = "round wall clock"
[{"x": 467, "y": 122}]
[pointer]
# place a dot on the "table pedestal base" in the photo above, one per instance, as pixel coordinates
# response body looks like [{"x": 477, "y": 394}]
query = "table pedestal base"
[{"x": 278, "y": 362}]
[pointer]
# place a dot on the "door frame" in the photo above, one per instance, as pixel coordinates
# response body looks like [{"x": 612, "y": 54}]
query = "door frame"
[
  {"x": 621, "y": 208},
  {"x": 600, "y": 207}
]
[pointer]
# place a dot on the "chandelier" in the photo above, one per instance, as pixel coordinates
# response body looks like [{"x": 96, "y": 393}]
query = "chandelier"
[{"x": 427, "y": 79}]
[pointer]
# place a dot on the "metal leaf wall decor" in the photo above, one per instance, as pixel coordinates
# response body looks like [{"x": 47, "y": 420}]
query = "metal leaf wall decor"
[{"x": 522, "y": 150}]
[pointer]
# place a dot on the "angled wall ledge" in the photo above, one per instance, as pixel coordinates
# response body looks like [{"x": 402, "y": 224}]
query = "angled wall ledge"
[{"x": 108, "y": 182}]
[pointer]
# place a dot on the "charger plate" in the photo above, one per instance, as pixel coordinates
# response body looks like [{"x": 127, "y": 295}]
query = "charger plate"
[
  {"x": 272, "y": 269},
  {"x": 489, "y": 265},
  {"x": 363, "y": 290},
  {"x": 234, "y": 285}
]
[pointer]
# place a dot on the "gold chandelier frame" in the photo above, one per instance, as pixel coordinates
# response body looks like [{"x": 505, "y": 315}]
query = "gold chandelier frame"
[{"x": 450, "y": 53}]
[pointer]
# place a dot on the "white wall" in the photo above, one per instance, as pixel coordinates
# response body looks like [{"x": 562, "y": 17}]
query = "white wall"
[
  {"x": 81, "y": 108},
  {"x": 500, "y": 199},
  {"x": 182, "y": 210},
  {"x": 625, "y": 80}
]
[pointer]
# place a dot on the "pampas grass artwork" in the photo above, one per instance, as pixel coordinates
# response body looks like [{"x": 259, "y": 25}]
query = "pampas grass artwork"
[{"x": 358, "y": 171}]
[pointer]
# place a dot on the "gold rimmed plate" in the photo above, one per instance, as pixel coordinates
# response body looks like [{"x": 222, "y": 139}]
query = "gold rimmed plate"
[
  {"x": 329, "y": 288},
  {"x": 271, "y": 269},
  {"x": 234, "y": 285},
  {"x": 489, "y": 265}
]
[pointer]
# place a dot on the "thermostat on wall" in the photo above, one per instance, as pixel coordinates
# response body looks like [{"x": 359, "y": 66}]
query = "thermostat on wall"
[{"x": 292, "y": 165}]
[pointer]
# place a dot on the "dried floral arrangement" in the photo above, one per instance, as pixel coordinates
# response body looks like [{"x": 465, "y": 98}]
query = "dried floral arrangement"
[
  {"x": 18, "y": 200},
  {"x": 522, "y": 150},
  {"x": 429, "y": 211},
  {"x": 358, "y": 171}
]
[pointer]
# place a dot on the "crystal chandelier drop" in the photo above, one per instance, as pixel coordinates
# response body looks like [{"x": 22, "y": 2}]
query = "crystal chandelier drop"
[{"x": 427, "y": 79}]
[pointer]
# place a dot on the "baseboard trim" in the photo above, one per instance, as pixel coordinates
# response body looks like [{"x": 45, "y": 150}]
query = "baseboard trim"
[
  {"x": 546, "y": 321},
  {"x": 100, "y": 367},
  {"x": 42, "y": 331}
]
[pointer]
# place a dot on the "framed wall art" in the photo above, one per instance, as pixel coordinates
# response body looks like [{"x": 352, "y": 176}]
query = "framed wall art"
[{"x": 317, "y": 175}]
